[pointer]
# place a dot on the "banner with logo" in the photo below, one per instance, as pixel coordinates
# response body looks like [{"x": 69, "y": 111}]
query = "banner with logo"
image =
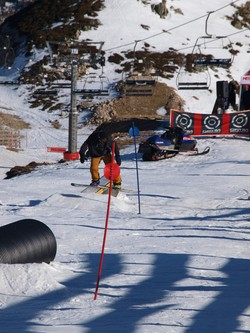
[{"x": 211, "y": 124}]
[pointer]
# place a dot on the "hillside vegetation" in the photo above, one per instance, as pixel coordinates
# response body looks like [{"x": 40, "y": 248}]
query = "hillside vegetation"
[{"x": 60, "y": 23}]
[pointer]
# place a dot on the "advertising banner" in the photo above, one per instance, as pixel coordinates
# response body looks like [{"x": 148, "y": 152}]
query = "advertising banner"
[{"x": 211, "y": 124}]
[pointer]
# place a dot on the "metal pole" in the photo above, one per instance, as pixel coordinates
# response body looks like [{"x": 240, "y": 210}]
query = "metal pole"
[
  {"x": 106, "y": 223},
  {"x": 133, "y": 131},
  {"x": 137, "y": 172},
  {"x": 73, "y": 115}
]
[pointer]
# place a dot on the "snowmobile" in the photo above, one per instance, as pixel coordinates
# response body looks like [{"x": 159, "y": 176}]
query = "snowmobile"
[{"x": 172, "y": 142}]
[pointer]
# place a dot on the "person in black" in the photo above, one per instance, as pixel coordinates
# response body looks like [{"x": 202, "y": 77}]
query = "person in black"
[
  {"x": 233, "y": 89},
  {"x": 245, "y": 100},
  {"x": 174, "y": 135},
  {"x": 98, "y": 147}
]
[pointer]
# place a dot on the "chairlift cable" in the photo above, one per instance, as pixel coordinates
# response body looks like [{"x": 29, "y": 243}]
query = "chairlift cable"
[
  {"x": 214, "y": 39},
  {"x": 171, "y": 29}
]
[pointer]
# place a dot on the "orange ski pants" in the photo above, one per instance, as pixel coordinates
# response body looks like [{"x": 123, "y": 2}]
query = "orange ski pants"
[{"x": 94, "y": 167}]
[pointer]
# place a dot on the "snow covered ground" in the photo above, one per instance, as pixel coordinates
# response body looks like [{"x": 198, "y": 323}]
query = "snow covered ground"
[{"x": 182, "y": 265}]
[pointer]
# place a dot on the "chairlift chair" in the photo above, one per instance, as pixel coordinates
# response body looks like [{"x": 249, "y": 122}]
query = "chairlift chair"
[
  {"x": 9, "y": 75},
  {"x": 137, "y": 84},
  {"x": 204, "y": 48},
  {"x": 200, "y": 57},
  {"x": 193, "y": 81},
  {"x": 90, "y": 89},
  {"x": 217, "y": 42}
]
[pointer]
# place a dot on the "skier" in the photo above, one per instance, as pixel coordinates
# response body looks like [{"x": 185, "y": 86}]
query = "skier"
[{"x": 98, "y": 147}]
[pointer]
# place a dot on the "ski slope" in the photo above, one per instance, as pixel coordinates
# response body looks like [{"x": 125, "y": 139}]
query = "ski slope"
[{"x": 182, "y": 264}]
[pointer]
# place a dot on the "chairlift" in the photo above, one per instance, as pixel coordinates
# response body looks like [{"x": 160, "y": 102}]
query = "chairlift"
[
  {"x": 193, "y": 81},
  {"x": 139, "y": 86},
  {"x": 8, "y": 55},
  {"x": 201, "y": 58},
  {"x": 93, "y": 87},
  {"x": 9, "y": 75},
  {"x": 207, "y": 44}
]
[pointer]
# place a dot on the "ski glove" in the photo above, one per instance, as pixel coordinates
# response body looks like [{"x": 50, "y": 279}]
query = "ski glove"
[
  {"x": 83, "y": 158},
  {"x": 118, "y": 160}
]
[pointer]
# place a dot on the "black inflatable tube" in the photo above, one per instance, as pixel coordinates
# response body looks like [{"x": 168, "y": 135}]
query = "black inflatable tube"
[{"x": 27, "y": 241}]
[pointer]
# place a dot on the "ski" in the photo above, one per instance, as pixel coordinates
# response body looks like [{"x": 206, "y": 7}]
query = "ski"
[
  {"x": 161, "y": 155},
  {"x": 105, "y": 187},
  {"x": 128, "y": 190},
  {"x": 79, "y": 185},
  {"x": 196, "y": 153},
  {"x": 100, "y": 189}
]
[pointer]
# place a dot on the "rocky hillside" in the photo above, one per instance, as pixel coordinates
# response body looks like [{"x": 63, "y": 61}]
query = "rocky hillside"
[
  {"x": 9, "y": 8},
  {"x": 58, "y": 24}
]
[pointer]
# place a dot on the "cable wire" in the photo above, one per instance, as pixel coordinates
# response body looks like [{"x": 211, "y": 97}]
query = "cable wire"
[
  {"x": 214, "y": 39},
  {"x": 171, "y": 29}
]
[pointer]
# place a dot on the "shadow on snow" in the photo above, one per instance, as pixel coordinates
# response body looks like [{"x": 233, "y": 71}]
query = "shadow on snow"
[{"x": 139, "y": 300}]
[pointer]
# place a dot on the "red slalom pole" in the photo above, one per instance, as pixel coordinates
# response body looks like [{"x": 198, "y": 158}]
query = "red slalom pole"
[{"x": 106, "y": 223}]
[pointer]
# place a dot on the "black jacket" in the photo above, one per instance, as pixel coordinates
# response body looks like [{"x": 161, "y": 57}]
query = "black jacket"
[
  {"x": 245, "y": 100},
  {"x": 98, "y": 144}
]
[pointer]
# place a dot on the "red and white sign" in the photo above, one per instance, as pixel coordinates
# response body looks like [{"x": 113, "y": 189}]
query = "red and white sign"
[
  {"x": 211, "y": 124},
  {"x": 245, "y": 79}
]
